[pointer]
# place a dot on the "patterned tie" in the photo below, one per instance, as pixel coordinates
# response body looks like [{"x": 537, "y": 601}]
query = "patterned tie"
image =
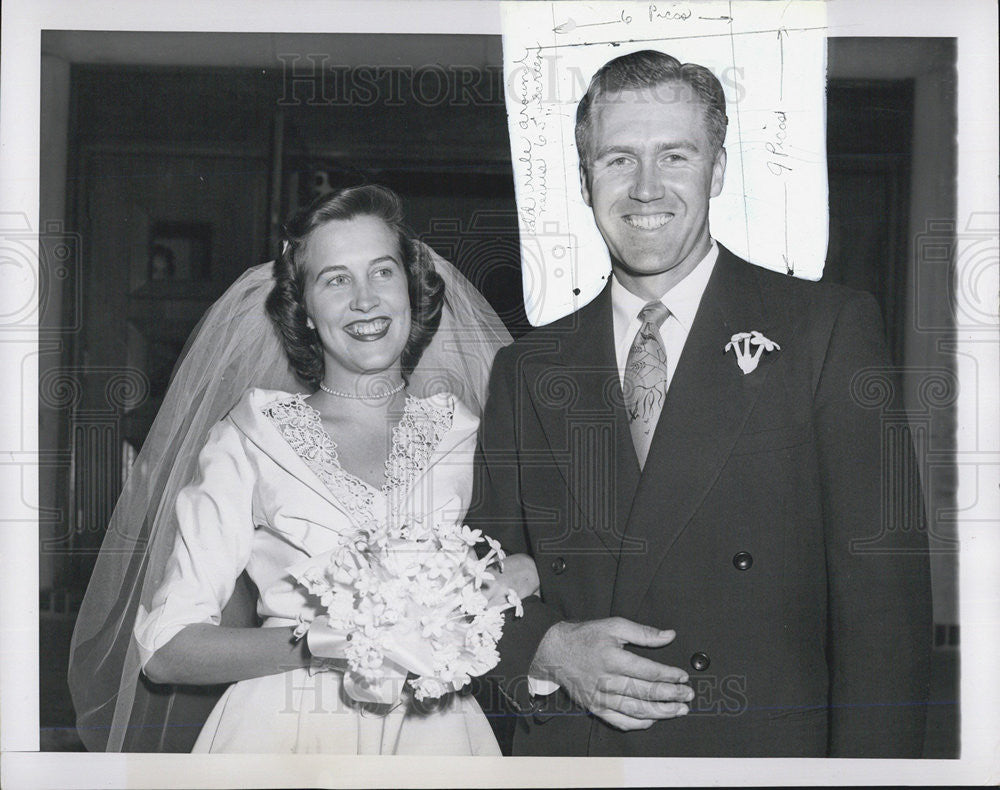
[{"x": 645, "y": 383}]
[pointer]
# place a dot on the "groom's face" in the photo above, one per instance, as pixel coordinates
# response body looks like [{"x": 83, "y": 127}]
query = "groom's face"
[{"x": 651, "y": 170}]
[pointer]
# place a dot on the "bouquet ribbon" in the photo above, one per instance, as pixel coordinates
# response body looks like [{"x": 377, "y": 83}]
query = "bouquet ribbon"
[{"x": 404, "y": 651}]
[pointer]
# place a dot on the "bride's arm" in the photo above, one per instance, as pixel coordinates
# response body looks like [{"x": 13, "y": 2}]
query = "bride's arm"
[
  {"x": 180, "y": 638},
  {"x": 205, "y": 654}
]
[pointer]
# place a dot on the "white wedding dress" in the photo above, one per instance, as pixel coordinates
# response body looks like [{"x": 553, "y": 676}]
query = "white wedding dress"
[{"x": 270, "y": 493}]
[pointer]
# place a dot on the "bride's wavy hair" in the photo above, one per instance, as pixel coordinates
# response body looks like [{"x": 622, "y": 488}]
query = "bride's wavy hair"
[{"x": 286, "y": 304}]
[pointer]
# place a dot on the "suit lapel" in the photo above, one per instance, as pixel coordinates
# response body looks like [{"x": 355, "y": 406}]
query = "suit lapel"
[
  {"x": 707, "y": 405},
  {"x": 575, "y": 392}
]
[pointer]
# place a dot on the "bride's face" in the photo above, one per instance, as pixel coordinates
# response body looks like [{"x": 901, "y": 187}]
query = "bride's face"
[{"x": 356, "y": 294}]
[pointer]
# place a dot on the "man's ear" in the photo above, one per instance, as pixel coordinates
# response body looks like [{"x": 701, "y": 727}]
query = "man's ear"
[
  {"x": 584, "y": 184},
  {"x": 718, "y": 173}
]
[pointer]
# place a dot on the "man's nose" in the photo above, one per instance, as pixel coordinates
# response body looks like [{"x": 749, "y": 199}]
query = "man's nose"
[
  {"x": 646, "y": 185},
  {"x": 365, "y": 297}
]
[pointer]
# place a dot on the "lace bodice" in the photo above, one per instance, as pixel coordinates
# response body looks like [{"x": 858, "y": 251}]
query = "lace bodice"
[{"x": 424, "y": 423}]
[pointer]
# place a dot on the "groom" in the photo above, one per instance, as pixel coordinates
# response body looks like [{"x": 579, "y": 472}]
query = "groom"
[{"x": 702, "y": 503}]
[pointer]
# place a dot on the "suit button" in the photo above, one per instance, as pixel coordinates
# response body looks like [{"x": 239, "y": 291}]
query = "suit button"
[
  {"x": 700, "y": 661},
  {"x": 742, "y": 560},
  {"x": 558, "y": 565}
]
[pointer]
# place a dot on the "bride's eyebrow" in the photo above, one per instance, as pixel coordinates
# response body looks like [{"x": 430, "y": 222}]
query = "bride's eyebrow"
[
  {"x": 383, "y": 259},
  {"x": 331, "y": 268}
]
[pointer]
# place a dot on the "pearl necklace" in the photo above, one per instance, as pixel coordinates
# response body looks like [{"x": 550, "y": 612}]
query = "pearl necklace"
[{"x": 356, "y": 396}]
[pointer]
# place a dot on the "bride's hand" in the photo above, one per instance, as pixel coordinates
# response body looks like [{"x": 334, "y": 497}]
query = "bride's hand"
[{"x": 519, "y": 574}]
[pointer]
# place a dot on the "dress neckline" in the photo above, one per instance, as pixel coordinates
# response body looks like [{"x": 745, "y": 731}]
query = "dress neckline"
[
  {"x": 418, "y": 433},
  {"x": 331, "y": 445}
]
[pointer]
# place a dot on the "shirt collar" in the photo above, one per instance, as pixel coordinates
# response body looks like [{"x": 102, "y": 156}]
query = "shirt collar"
[{"x": 682, "y": 300}]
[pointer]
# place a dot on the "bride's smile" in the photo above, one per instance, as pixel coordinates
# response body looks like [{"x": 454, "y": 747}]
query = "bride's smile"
[{"x": 367, "y": 331}]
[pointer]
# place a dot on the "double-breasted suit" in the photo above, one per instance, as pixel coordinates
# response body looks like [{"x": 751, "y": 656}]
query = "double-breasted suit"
[{"x": 766, "y": 528}]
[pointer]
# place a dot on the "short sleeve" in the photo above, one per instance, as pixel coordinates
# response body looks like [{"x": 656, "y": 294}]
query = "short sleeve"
[{"x": 212, "y": 547}]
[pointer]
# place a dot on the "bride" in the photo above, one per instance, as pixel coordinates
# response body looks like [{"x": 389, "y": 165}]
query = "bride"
[{"x": 382, "y": 433}]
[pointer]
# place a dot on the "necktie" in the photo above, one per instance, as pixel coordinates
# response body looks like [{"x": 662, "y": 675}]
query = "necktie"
[{"x": 645, "y": 380}]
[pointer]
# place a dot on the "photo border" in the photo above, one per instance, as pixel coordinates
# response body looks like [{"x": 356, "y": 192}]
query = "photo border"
[{"x": 972, "y": 22}]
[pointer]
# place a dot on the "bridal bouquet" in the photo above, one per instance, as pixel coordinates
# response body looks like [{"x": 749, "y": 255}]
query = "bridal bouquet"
[{"x": 404, "y": 604}]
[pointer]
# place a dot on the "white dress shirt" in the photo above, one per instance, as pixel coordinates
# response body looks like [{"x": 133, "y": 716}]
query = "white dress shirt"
[{"x": 682, "y": 301}]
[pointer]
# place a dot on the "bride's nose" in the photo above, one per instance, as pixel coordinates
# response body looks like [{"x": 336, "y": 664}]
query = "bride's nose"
[{"x": 364, "y": 298}]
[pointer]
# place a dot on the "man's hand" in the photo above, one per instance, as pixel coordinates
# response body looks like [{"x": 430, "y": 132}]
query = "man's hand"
[{"x": 627, "y": 691}]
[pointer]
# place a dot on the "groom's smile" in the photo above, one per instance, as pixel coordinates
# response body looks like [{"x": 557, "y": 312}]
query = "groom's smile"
[{"x": 647, "y": 221}]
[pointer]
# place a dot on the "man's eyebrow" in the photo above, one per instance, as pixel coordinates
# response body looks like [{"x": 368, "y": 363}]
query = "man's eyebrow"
[
  {"x": 679, "y": 145},
  {"x": 614, "y": 149}
]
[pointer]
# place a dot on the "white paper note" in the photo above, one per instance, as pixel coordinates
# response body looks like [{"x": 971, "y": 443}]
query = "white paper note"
[{"x": 771, "y": 60}]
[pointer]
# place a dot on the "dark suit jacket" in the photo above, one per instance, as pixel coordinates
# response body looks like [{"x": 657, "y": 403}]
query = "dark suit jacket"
[{"x": 777, "y": 525}]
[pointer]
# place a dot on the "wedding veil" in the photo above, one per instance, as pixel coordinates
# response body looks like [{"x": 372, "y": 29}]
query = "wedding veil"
[{"x": 233, "y": 348}]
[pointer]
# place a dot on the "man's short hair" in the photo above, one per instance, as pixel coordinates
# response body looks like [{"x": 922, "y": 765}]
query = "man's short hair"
[{"x": 647, "y": 69}]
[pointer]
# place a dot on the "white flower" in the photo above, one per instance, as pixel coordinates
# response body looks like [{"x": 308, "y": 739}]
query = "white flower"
[
  {"x": 341, "y": 607},
  {"x": 741, "y": 343},
  {"x": 757, "y": 339},
  {"x": 456, "y": 677},
  {"x": 735, "y": 339},
  {"x": 441, "y": 564},
  {"x": 432, "y": 625},
  {"x": 478, "y": 639},
  {"x": 470, "y": 536},
  {"x": 368, "y": 614},
  {"x": 515, "y": 600},
  {"x": 473, "y": 602},
  {"x": 491, "y": 621},
  {"x": 445, "y": 655},
  {"x": 396, "y": 594},
  {"x": 364, "y": 656},
  {"x": 430, "y": 596},
  {"x": 495, "y": 546},
  {"x": 480, "y": 573},
  {"x": 314, "y": 580},
  {"x": 482, "y": 660},
  {"x": 428, "y": 688}
]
